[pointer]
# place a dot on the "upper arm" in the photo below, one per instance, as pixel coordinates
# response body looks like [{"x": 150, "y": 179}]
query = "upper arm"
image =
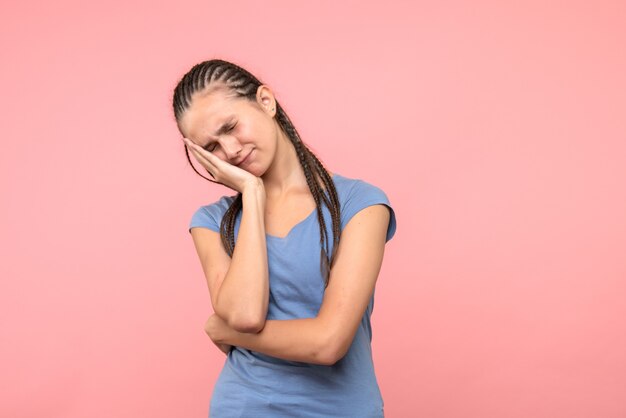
[
  {"x": 213, "y": 257},
  {"x": 353, "y": 277}
]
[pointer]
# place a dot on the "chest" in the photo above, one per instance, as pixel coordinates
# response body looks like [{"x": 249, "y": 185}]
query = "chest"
[
  {"x": 293, "y": 252},
  {"x": 282, "y": 216}
]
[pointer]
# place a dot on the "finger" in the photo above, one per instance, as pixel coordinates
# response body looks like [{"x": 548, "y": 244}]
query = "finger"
[
  {"x": 203, "y": 161},
  {"x": 208, "y": 155},
  {"x": 197, "y": 147},
  {"x": 188, "y": 143},
  {"x": 202, "y": 158}
]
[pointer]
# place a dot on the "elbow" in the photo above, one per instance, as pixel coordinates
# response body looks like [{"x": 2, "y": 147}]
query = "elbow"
[
  {"x": 330, "y": 358},
  {"x": 325, "y": 360},
  {"x": 246, "y": 321},
  {"x": 330, "y": 353},
  {"x": 332, "y": 343},
  {"x": 246, "y": 324}
]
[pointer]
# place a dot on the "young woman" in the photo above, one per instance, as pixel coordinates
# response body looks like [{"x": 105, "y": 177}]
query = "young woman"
[{"x": 291, "y": 260}]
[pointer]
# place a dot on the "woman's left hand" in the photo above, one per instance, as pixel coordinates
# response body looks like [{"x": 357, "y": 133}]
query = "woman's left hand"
[{"x": 216, "y": 328}]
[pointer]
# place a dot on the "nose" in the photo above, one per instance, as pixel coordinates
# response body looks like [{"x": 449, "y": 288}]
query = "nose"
[{"x": 231, "y": 147}]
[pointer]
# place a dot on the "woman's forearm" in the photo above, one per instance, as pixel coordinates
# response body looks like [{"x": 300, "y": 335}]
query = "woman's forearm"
[
  {"x": 304, "y": 340},
  {"x": 243, "y": 296}
]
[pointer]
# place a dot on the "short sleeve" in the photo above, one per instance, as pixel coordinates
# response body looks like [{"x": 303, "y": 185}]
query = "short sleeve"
[
  {"x": 362, "y": 195},
  {"x": 210, "y": 216}
]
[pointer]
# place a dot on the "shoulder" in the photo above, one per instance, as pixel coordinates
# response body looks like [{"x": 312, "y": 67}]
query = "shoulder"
[
  {"x": 357, "y": 194},
  {"x": 355, "y": 188},
  {"x": 210, "y": 215}
]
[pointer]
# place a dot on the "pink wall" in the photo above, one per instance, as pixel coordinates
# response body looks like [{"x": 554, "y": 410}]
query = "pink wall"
[{"x": 496, "y": 130}]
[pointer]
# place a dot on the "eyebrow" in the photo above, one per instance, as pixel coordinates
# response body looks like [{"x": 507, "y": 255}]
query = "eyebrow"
[{"x": 221, "y": 129}]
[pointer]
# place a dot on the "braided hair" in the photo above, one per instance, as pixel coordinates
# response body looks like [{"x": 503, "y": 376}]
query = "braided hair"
[{"x": 243, "y": 84}]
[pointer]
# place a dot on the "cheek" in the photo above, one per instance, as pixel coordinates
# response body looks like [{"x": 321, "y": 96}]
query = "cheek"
[{"x": 261, "y": 130}]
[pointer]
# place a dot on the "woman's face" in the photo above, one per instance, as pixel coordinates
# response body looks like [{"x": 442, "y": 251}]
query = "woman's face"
[{"x": 234, "y": 129}]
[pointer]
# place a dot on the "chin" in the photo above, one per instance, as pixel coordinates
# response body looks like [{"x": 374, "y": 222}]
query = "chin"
[
  {"x": 250, "y": 170},
  {"x": 258, "y": 173}
]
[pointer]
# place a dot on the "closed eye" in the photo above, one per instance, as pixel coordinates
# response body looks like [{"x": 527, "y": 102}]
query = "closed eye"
[{"x": 212, "y": 145}]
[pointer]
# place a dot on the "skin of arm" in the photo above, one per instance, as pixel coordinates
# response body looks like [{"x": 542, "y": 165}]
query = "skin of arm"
[
  {"x": 239, "y": 286},
  {"x": 326, "y": 338}
]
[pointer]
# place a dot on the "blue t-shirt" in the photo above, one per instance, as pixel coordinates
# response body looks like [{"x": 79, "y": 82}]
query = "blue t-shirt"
[{"x": 252, "y": 384}]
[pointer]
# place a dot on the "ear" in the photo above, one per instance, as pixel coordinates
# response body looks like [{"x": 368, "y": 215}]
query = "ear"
[{"x": 265, "y": 98}]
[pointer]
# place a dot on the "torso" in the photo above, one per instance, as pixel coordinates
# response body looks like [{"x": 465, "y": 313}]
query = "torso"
[{"x": 255, "y": 384}]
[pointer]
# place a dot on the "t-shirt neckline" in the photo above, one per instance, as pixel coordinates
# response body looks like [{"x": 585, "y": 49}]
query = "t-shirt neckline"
[{"x": 293, "y": 228}]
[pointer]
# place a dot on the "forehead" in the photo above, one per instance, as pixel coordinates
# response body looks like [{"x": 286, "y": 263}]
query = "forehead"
[{"x": 207, "y": 111}]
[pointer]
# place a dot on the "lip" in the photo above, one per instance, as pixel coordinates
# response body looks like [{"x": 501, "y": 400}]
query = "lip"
[{"x": 245, "y": 159}]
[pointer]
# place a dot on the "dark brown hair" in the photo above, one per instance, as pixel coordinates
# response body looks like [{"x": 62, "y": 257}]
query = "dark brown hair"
[{"x": 243, "y": 84}]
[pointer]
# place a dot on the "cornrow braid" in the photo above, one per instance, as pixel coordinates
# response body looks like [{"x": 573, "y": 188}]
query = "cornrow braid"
[{"x": 240, "y": 82}]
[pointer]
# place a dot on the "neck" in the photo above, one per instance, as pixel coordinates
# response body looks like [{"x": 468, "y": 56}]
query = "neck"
[{"x": 285, "y": 175}]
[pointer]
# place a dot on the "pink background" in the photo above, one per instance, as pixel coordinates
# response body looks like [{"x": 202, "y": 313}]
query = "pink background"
[{"x": 497, "y": 131}]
